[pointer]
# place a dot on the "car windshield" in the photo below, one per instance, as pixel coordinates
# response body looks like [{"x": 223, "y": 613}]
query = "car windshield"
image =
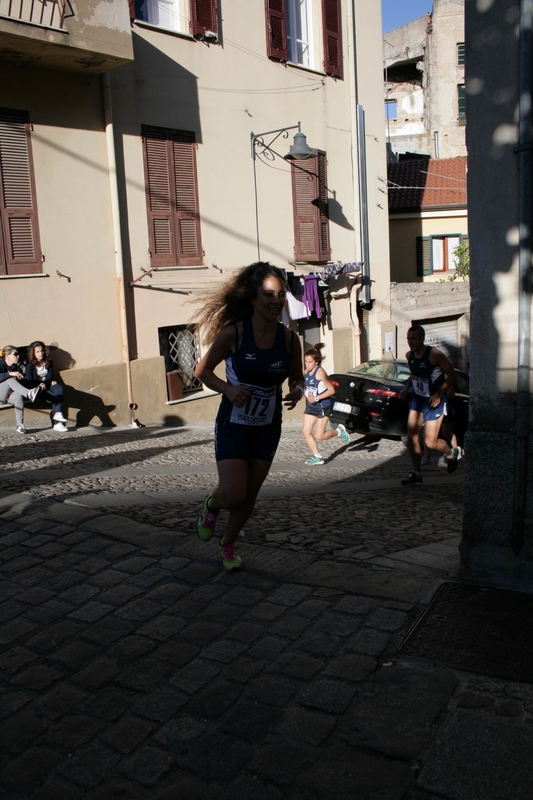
[{"x": 382, "y": 369}]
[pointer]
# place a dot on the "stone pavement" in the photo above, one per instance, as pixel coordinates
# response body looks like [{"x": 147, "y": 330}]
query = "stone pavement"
[{"x": 133, "y": 666}]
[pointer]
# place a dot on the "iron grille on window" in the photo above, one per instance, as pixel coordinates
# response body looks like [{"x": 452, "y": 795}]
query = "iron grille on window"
[
  {"x": 180, "y": 348},
  {"x": 460, "y": 54}
]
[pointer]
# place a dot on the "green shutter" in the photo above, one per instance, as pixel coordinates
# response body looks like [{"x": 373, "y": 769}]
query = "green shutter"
[{"x": 423, "y": 255}]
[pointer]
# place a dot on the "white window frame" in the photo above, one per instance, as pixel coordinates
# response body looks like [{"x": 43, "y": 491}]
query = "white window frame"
[
  {"x": 301, "y": 50},
  {"x": 175, "y": 14}
]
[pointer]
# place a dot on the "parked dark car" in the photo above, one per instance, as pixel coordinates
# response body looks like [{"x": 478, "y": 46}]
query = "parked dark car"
[{"x": 367, "y": 399}]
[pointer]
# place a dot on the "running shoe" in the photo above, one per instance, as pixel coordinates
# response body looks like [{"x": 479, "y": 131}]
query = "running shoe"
[
  {"x": 343, "y": 434},
  {"x": 58, "y": 417},
  {"x": 425, "y": 460},
  {"x": 205, "y": 527},
  {"x": 58, "y": 426},
  {"x": 315, "y": 461},
  {"x": 32, "y": 394},
  {"x": 413, "y": 479},
  {"x": 21, "y": 429},
  {"x": 230, "y": 559},
  {"x": 453, "y": 460}
]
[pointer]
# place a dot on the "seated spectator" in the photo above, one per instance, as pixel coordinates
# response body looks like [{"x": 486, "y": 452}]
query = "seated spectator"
[
  {"x": 39, "y": 373},
  {"x": 12, "y": 391}
]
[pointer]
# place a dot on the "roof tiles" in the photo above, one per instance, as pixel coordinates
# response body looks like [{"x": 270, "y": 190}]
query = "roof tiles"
[{"x": 425, "y": 183}]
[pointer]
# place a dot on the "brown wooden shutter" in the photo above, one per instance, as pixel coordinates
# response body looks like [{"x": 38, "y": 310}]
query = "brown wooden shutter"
[
  {"x": 311, "y": 223},
  {"x": 133, "y": 10},
  {"x": 189, "y": 240},
  {"x": 204, "y": 17},
  {"x": 276, "y": 30},
  {"x": 172, "y": 198},
  {"x": 331, "y": 15},
  {"x": 323, "y": 219},
  {"x": 18, "y": 204},
  {"x": 159, "y": 192}
]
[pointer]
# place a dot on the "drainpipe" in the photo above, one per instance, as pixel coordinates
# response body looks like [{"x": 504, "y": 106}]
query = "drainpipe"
[
  {"x": 359, "y": 183},
  {"x": 525, "y": 155},
  {"x": 117, "y": 240}
]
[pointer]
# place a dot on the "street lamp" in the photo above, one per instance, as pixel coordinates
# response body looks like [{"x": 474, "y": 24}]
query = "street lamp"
[{"x": 298, "y": 151}]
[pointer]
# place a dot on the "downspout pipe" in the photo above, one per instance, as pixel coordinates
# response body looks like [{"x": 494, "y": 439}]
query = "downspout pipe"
[
  {"x": 117, "y": 240},
  {"x": 525, "y": 155},
  {"x": 360, "y": 179}
]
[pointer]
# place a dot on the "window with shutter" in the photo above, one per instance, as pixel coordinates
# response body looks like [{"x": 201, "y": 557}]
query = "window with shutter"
[
  {"x": 311, "y": 223},
  {"x": 204, "y": 17},
  {"x": 423, "y": 255},
  {"x": 277, "y": 30},
  {"x": 332, "y": 37},
  {"x": 20, "y": 249},
  {"x": 290, "y": 33},
  {"x": 172, "y": 198}
]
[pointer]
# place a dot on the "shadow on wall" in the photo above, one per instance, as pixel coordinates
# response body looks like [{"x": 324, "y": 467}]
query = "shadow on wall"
[{"x": 88, "y": 404}]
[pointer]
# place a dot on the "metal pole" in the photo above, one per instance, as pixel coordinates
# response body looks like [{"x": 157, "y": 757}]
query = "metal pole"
[
  {"x": 366, "y": 301},
  {"x": 524, "y": 289}
]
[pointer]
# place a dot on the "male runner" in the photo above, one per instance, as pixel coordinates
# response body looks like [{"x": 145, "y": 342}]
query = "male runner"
[{"x": 431, "y": 375}]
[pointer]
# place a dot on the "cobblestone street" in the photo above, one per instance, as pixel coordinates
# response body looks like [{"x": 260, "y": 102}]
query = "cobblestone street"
[{"x": 135, "y": 667}]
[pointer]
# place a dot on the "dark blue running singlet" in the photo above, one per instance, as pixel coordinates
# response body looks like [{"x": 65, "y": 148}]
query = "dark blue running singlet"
[
  {"x": 314, "y": 386},
  {"x": 262, "y": 372},
  {"x": 427, "y": 378}
]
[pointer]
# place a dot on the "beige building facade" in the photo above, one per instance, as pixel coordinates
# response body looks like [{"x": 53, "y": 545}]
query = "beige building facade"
[
  {"x": 147, "y": 188},
  {"x": 425, "y": 84}
]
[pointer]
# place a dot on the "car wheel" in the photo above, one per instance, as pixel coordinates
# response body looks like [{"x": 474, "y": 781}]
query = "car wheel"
[{"x": 405, "y": 439}]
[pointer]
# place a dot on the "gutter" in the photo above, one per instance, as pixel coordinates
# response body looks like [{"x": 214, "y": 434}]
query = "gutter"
[{"x": 117, "y": 240}]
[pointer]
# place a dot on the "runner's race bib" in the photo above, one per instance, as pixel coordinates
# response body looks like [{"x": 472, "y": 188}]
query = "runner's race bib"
[
  {"x": 258, "y": 409},
  {"x": 421, "y": 386}
]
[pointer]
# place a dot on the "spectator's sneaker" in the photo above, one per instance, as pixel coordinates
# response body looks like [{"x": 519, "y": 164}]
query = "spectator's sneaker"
[
  {"x": 205, "y": 527},
  {"x": 230, "y": 559},
  {"x": 21, "y": 429},
  {"x": 32, "y": 394},
  {"x": 343, "y": 433},
  {"x": 425, "y": 460},
  {"x": 453, "y": 459},
  {"x": 412, "y": 480},
  {"x": 58, "y": 417},
  {"x": 315, "y": 461},
  {"x": 60, "y": 427}
]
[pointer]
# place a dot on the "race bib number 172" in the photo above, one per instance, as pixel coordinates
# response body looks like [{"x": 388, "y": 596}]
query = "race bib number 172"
[{"x": 258, "y": 409}]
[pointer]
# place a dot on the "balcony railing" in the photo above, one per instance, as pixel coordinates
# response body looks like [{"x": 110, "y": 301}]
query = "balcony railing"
[{"x": 48, "y": 13}]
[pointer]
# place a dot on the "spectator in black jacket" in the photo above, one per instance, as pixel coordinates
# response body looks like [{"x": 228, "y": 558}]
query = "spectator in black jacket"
[
  {"x": 12, "y": 391},
  {"x": 39, "y": 373}
]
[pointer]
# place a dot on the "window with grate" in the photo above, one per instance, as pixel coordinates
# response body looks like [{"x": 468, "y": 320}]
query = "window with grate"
[
  {"x": 180, "y": 348},
  {"x": 460, "y": 54}
]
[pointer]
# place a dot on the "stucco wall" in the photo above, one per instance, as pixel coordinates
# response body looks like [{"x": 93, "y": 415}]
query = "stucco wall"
[
  {"x": 79, "y": 311},
  {"x": 493, "y": 193},
  {"x": 403, "y": 235}
]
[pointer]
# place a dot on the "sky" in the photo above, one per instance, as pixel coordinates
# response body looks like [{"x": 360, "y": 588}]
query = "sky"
[{"x": 398, "y": 12}]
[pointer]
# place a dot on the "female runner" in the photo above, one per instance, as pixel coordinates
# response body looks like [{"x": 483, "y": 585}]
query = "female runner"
[
  {"x": 318, "y": 390},
  {"x": 241, "y": 324}
]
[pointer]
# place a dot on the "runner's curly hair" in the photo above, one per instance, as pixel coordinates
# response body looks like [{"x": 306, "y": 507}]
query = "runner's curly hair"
[
  {"x": 314, "y": 352},
  {"x": 31, "y": 353},
  {"x": 232, "y": 302}
]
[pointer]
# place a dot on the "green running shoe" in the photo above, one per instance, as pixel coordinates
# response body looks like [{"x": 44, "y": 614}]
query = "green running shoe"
[
  {"x": 343, "y": 434},
  {"x": 205, "y": 527},
  {"x": 315, "y": 461},
  {"x": 412, "y": 480},
  {"x": 230, "y": 559}
]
